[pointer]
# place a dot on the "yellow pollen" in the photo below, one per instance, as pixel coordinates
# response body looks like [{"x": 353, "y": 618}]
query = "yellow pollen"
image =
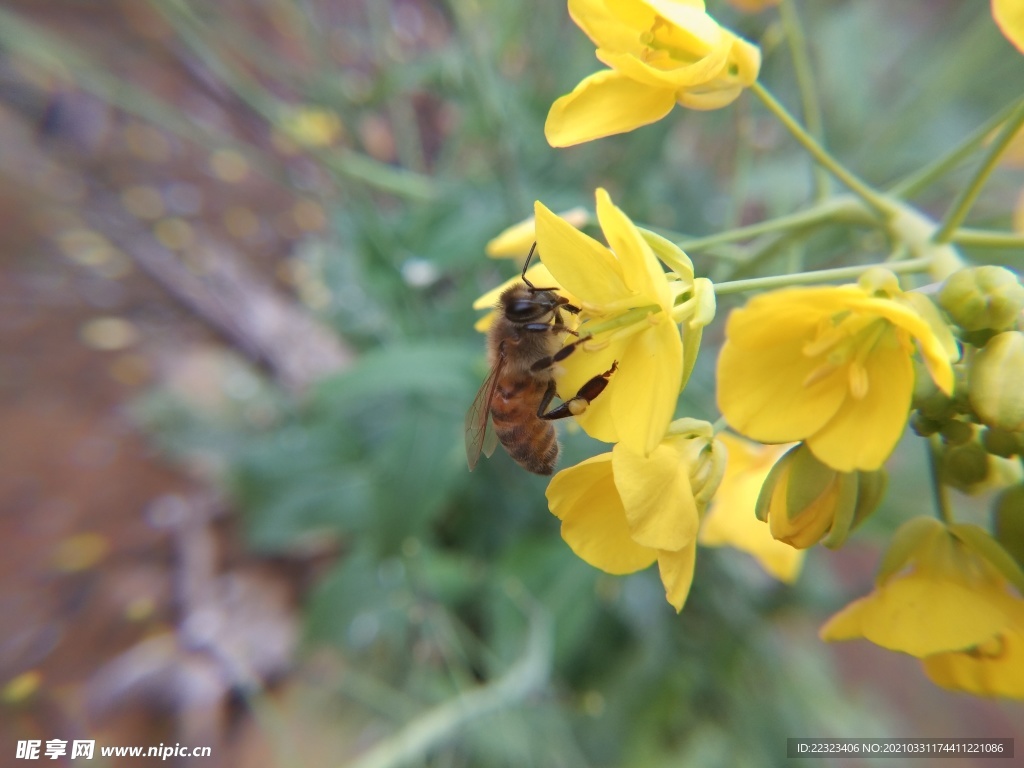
[
  {"x": 858, "y": 380},
  {"x": 823, "y": 371},
  {"x": 577, "y": 406},
  {"x": 828, "y": 337}
]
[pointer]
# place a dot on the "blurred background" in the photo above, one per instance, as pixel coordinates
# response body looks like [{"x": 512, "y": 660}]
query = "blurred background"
[{"x": 240, "y": 242}]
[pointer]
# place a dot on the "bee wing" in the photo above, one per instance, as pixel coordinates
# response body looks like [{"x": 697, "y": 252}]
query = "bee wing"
[{"x": 480, "y": 434}]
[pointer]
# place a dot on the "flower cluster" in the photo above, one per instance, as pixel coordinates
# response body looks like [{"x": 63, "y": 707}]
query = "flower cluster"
[
  {"x": 623, "y": 510},
  {"x": 817, "y": 383},
  {"x": 659, "y": 53}
]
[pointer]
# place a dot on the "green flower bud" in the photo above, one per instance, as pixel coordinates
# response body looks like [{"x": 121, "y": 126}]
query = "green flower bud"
[
  {"x": 999, "y": 442},
  {"x": 922, "y": 425},
  {"x": 955, "y": 432},
  {"x": 997, "y": 382},
  {"x": 965, "y": 466},
  {"x": 980, "y": 298}
]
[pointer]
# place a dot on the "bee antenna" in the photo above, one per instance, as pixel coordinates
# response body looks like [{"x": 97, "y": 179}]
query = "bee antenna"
[{"x": 529, "y": 258}]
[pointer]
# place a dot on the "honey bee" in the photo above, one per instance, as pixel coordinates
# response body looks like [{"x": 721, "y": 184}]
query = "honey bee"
[{"x": 524, "y": 343}]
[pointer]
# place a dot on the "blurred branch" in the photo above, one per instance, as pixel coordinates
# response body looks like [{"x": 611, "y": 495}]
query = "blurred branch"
[
  {"x": 983, "y": 238},
  {"x": 915, "y": 182},
  {"x": 344, "y": 161},
  {"x": 60, "y": 57},
  {"x": 525, "y": 677},
  {"x": 804, "y": 72},
  {"x": 234, "y": 300},
  {"x": 965, "y": 200}
]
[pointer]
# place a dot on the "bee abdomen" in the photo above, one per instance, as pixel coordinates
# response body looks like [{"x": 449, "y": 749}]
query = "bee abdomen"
[{"x": 534, "y": 445}]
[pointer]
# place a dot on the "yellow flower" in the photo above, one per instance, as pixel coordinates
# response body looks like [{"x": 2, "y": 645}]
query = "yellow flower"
[
  {"x": 660, "y": 52},
  {"x": 606, "y": 284},
  {"x": 1009, "y": 17},
  {"x": 941, "y": 589},
  {"x": 731, "y": 520},
  {"x": 992, "y": 668},
  {"x": 831, "y": 366},
  {"x": 621, "y": 511},
  {"x": 516, "y": 241},
  {"x": 805, "y": 501},
  {"x": 312, "y": 126}
]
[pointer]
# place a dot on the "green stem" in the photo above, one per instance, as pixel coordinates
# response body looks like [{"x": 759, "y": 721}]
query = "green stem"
[
  {"x": 818, "y": 276},
  {"x": 804, "y": 72},
  {"x": 401, "y": 115},
  {"x": 527, "y": 677},
  {"x": 942, "y": 505},
  {"x": 962, "y": 205},
  {"x": 983, "y": 238},
  {"x": 872, "y": 198},
  {"x": 915, "y": 182},
  {"x": 842, "y": 208}
]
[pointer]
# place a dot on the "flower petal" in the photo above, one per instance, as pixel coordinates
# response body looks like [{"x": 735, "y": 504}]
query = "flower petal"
[
  {"x": 584, "y": 267},
  {"x": 641, "y": 270},
  {"x": 682, "y": 76},
  {"x": 656, "y": 494},
  {"x": 1009, "y": 17},
  {"x": 573, "y": 372},
  {"x": 709, "y": 100},
  {"x": 676, "y": 569},
  {"x": 515, "y": 241},
  {"x": 937, "y": 352},
  {"x": 864, "y": 432},
  {"x": 996, "y": 668},
  {"x": 643, "y": 392},
  {"x": 604, "y": 104},
  {"x": 762, "y": 370},
  {"x": 920, "y": 616},
  {"x": 594, "y": 523}
]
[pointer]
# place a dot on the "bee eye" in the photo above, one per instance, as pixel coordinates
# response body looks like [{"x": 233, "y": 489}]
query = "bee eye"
[{"x": 521, "y": 309}]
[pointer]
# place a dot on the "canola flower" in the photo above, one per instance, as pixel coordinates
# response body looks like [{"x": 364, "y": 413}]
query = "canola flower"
[
  {"x": 621, "y": 511},
  {"x": 516, "y": 240},
  {"x": 831, "y": 366},
  {"x": 731, "y": 519},
  {"x": 951, "y": 596},
  {"x": 630, "y": 307},
  {"x": 660, "y": 53}
]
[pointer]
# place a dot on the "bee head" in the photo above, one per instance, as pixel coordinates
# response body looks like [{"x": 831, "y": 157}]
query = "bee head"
[{"x": 522, "y": 304}]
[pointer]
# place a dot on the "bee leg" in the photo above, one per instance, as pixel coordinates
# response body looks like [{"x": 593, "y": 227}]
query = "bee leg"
[
  {"x": 577, "y": 404},
  {"x": 546, "y": 362}
]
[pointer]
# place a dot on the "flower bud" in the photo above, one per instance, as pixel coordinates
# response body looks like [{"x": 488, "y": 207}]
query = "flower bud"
[
  {"x": 956, "y": 432},
  {"x": 802, "y": 499},
  {"x": 1000, "y": 443},
  {"x": 965, "y": 466},
  {"x": 982, "y": 298},
  {"x": 706, "y": 469},
  {"x": 997, "y": 382},
  {"x": 922, "y": 425}
]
